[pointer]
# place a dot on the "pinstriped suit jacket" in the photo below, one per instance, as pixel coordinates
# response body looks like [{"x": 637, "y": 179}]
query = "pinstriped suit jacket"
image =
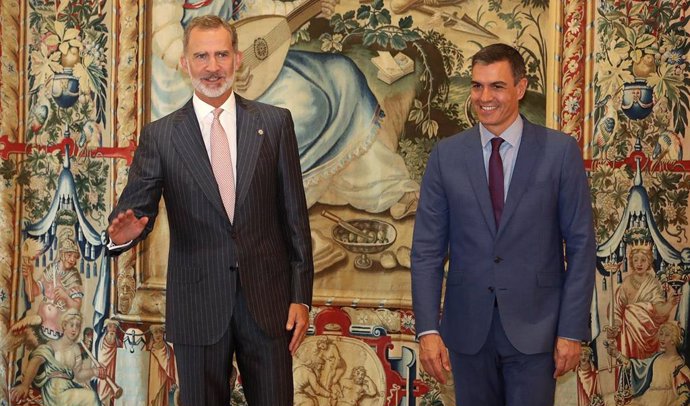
[{"x": 269, "y": 242}]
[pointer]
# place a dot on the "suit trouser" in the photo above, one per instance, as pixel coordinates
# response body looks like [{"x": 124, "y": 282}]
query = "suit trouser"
[
  {"x": 500, "y": 375},
  {"x": 264, "y": 362}
]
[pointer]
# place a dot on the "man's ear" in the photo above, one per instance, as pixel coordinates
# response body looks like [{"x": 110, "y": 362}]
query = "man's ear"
[
  {"x": 183, "y": 64},
  {"x": 522, "y": 88}
]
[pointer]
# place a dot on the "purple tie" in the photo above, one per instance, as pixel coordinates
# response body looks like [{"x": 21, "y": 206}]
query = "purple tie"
[{"x": 496, "y": 179}]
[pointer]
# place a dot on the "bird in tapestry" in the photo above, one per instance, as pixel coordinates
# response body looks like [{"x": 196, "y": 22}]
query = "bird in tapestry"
[
  {"x": 668, "y": 148},
  {"x": 605, "y": 128}
]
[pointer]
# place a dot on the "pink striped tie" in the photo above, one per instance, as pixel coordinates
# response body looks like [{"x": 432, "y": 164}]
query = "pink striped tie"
[{"x": 221, "y": 163}]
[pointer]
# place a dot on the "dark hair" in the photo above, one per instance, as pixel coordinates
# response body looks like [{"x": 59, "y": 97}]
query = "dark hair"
[
  {"x": 501, "y": 52},
  {"x": 88, "y": 331},
  {"x": 208, "y": 22}
]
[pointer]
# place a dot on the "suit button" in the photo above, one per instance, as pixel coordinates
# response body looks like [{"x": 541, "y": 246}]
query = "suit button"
[
  {"x": 498, "y": 260},
  {"x": 491, "y": 289},
  {"x": 233, "y": 235}
]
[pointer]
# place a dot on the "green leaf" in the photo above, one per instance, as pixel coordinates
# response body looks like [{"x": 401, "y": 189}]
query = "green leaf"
[
  {"x": 8, "y": 169},
  {"x": 382, "y": 38},
  {"x": 349, "y": 15},
  {"x": 368, "y": 38},
  {"x": 384, "y": 17},
  {"x": 378, "y": 4},
  {"x": 679, "y": 197},
  {"x": 636, "y": 8},
  {"x": 23, "y": 177},
  {"x": 335, "y": 19},
  {"x": 373, "y": 21},
  {"x": 405, "y": 22},
  {"x": 339, "y": 27},
  {"x": 644, "y": 41},
  {"x": 411, "y": 36},
  {"x": 352, "y": 25},
  {"x": 619, "y": 29},
  {"x": 667, "y": 83},
  {"x": 363, "y": 12},
  {"x": 629, "y": 34},
  {"x": 397, "y": 42},
  {"x": 611, "y": 78}
]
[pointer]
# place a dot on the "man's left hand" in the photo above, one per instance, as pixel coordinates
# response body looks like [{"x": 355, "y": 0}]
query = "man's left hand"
[
  {"x": 566, "y": 356},
  {"x": 298, "y": 321}
]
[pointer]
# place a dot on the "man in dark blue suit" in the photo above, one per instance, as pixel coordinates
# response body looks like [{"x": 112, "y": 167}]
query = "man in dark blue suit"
[
  {"x": 507, "y": 202},
  {"x": 240, "y": 266}
]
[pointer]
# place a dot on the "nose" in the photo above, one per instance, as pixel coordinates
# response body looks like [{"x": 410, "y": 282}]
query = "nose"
[
  {"x": 485, "y": 94},
  {"x": 212, "y": 64}
]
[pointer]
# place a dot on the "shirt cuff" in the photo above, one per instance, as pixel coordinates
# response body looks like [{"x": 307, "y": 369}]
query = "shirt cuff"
[
  {"x": 112, "y": 247},
  {"x": 424, "y": 333}
]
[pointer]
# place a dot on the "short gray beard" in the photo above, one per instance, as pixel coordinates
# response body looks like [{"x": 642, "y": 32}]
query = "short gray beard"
[{"x": 203, "y": 89}]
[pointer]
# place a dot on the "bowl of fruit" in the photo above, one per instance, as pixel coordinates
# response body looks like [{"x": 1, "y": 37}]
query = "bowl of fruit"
[{"x": 363, "y": 236}]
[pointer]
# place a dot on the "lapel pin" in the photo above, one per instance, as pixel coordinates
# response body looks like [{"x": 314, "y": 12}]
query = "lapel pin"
[{"x": 260, "y": 131}]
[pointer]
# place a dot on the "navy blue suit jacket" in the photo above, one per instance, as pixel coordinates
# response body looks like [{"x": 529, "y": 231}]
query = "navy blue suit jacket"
[{"x": 521, "y": 264}]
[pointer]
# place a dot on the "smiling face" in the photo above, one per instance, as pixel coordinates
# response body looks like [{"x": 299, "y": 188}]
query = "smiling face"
[
  {"x": 496, "y": 95},
  {"x": 211, "y": 63}
]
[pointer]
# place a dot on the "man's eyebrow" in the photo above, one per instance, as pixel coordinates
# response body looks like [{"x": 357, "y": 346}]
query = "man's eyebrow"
[{"x": 498, "y": 82}]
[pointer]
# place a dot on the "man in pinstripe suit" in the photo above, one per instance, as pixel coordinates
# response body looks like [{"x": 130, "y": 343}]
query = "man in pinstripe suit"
[{"x": 239, "y": 274}]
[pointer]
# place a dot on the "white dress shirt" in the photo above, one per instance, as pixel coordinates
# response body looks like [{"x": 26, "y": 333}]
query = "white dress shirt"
[
  {"x": 228, "y": 120},
  {"x": 508, "y": 150}
]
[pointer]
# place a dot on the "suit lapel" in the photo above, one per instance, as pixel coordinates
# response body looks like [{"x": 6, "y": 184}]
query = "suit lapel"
[
  {"x": 248, "y": 146},
  {"x": 530, "y": 151},
  {"x": 477, "y": 173},
  {"x": 190, "y": 148}
]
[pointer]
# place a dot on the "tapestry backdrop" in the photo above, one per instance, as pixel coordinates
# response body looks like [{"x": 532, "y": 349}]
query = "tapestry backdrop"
[{"x": 372, "y": 86}]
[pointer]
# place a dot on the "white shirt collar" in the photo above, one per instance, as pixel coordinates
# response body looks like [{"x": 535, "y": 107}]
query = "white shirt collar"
[
  {"x": 203, "y": 109},
  {"x": 204, "y": 115}
]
